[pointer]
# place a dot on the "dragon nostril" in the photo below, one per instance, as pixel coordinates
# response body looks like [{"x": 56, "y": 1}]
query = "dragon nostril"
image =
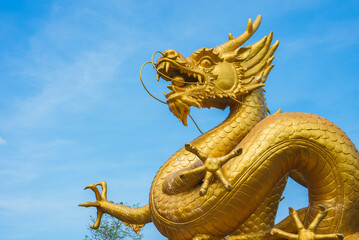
[{"x": 171, "y": 54}]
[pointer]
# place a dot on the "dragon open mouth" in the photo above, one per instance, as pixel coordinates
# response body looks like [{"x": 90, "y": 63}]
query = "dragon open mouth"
[
  {"x": 182, "y": 76},
  {"x": 183, "y": 80}
]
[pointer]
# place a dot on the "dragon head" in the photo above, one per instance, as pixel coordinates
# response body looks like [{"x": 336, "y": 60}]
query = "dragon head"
[{"x": 216, "y": 77}]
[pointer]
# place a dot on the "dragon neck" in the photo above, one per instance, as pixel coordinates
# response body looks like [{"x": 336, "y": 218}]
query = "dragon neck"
[{"x": 241, "y": 119}]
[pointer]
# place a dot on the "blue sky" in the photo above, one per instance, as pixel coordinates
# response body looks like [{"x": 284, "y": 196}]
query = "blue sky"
[{"x": 73, "y": 112}]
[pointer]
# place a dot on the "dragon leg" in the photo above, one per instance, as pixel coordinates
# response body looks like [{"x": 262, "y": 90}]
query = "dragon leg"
[
  {"x": 307, "y": 233},
  {"x": 260, "y": 223},
  {"x": 212, "y": 167},
  {"x": 135, "y": 218},
  {"x": 275, "y": 233}
]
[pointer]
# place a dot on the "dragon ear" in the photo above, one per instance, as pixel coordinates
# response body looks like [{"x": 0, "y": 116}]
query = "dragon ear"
[
  {"x": 238, "y": 54},
  {"x": 242, "y": 52}
]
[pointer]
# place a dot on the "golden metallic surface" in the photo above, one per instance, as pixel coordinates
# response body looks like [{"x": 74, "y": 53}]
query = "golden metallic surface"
[{"x": 227, "y": 183}]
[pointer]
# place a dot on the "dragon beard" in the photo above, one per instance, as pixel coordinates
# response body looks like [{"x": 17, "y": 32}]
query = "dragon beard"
[{"x": 180, "y": 106}]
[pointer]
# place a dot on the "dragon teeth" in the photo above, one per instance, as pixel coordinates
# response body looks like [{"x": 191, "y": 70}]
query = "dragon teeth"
[
  {"x": 160, "y": 67},
  {"x": 167, "y": 66},
  {"x": 158, "y": 76}
]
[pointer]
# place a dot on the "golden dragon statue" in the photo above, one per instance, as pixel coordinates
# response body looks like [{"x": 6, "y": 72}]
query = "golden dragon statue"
[{"x": 227, "y": 183}]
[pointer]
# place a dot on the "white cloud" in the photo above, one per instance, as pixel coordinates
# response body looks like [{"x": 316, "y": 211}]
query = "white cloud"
[{"x": 2, "y": 141}]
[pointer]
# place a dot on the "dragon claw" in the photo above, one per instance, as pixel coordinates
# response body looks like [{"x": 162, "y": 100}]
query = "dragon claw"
[
  {"x": 97, "y": 223},
  {"x": 100, "y": 197},
  {"x": 212, "y": 166},
  {"x": 103, "y": 185},
  {"x": 309, "y": 233},
  {"x": 95, "y": 189},
  {"x": 89, "y": 204}
]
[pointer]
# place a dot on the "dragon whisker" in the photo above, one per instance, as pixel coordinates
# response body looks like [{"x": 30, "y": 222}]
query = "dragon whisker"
[{"x": 144, "y": 86}]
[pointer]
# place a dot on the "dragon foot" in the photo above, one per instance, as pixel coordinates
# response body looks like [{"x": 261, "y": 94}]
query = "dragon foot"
[
  {"x": 100, "y": 197},
  {"x": 307, "y": 233},
  {"x": 212, "y": 166}
]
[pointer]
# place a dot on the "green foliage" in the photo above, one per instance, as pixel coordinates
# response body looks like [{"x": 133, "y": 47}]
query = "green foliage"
[{"x": 111, "y": 229}]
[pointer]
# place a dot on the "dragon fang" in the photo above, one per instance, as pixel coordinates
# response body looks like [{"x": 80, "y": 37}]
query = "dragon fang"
[{"x": 227, "y": 183}]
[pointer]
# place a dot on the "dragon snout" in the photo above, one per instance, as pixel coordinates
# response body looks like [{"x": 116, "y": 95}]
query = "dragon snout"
[{"x": 171, "y": 54}]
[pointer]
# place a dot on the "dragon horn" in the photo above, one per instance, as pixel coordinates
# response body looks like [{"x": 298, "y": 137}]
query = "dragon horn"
[{"x": 233, "y": 43}]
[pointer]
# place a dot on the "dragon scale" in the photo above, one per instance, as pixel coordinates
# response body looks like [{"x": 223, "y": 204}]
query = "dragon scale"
[{"x": 278, "y": 144}]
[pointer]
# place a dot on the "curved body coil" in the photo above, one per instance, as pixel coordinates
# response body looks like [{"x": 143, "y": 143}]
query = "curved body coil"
[{"x": 283, "y": 142}]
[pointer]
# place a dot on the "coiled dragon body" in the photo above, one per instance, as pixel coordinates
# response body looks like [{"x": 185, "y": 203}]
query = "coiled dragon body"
[{"x": 227, "y": 183}]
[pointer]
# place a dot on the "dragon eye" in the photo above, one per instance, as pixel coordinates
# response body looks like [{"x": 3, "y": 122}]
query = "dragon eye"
[{"x": 206, "y": 63}]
